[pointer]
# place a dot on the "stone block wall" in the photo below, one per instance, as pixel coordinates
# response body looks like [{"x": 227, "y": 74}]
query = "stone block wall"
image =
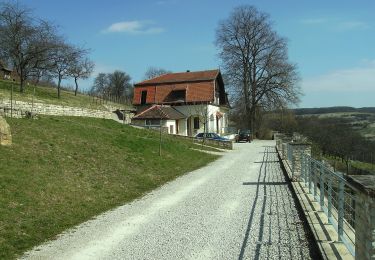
[
  {"x": 365, "y": 227},
  {"x": 20, "y": 108},
  {"x": 5, "y": 133},
  {"x": 364, "y": 215},
  {"x": 216, "y": 143},
  {"x": 297, "y": 150}
]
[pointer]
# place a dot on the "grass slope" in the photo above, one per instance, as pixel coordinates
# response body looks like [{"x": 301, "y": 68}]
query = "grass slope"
[
  {"x": 49, "y": 95},
  {"x": 62, "y": 171}
]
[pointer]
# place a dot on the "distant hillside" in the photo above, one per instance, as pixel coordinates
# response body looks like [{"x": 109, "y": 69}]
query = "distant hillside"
[
  {"x": 360, "y": 119},
  {"x": 327, "y": 110}
]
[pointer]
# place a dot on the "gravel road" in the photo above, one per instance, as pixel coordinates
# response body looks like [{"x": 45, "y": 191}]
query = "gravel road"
[{"x": 238, "y": 207}]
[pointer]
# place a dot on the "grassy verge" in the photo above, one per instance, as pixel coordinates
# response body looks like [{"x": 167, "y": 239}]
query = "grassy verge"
[
  {"x": 341, "y": 166},
  {"x": 364, "y": 166},
  {"x": 49, "y": 95},
  {"x": 62, "y": 171}
]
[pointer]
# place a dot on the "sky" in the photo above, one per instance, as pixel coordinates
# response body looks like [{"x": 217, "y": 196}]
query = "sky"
[{"x": 332, "y": 42}]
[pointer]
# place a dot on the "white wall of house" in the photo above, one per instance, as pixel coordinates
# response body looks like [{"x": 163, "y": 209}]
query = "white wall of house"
[
  {"x": 171, "y": 124},
  {"x": 182, "y": 127},
  {"x": 214, "y": 124},
  {"x": 192, "y": 111}
]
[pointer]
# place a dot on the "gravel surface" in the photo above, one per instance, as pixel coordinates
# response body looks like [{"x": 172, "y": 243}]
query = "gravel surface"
[{"x": 238, "y": 207}]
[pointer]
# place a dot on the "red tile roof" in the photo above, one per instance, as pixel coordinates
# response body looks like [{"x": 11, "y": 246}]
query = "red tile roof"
[
  {"x": 195, "y": 76},
  {"x": 160, "y": 112}
]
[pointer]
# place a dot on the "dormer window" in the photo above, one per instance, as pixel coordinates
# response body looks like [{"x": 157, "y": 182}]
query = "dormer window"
[
  {"x": 176, "y": 96},
  {"x": 143, "y": 97}
]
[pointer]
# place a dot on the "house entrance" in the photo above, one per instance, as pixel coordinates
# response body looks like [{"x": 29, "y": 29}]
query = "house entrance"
[
  {"x": 217, "y": 125},
  {"x": 189, "y": 126}
]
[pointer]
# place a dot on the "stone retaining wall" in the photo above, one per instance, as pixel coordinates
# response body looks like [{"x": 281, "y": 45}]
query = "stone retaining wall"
[
  {"x": 20, "y": 109},
  {"x": 210, "y": 142},
  {"x": 5, "y": 133}
]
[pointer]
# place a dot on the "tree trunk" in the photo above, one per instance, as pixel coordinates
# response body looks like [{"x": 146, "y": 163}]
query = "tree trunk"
[
  {"x": 22, "y": 81},
  {"x": 246, "y": 97},
  {"x": 75, "y": 92},
  {"x": 347, "y": 166},
  {"x": 58, "y": 87},
  {"x": 22, "y": 85}
]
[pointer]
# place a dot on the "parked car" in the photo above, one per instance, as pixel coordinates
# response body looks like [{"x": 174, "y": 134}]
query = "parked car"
[
  {"x": 243, "y": 135},
  {"x": 212, "y": 136}
]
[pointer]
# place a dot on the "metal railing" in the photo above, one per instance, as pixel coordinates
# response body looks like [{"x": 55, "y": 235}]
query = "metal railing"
[{"x": 334, "y": 194}]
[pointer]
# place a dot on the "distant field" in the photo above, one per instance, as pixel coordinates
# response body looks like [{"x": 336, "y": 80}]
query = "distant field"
[
  {"x": 363, "y": 122},
  {"x": 62, "y": 171},
  {"x": 49, "y": 95}
]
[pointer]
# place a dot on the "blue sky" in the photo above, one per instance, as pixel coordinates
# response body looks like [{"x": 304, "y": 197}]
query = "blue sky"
[{"x": 332, "y": 42}]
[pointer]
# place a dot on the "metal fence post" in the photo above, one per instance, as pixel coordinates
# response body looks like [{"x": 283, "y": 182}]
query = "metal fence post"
[
  {"x": 340, "y": 217},
  {"x": 330, "y": 199},
  {"x": 314, "y": 178},
  {"x": 11, "y": 101},
  {"x": 304, "y": 161},
  {"x": 303, "y": 166},
  {"x": 306, "y": 169},
  {"x": 310, "y": 175},
  {"x": 292, "y": 160},
  {"x": 321, "y": 182}
]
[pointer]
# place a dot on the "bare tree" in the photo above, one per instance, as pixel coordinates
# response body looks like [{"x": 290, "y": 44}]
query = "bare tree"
[
  {"x": 101, "y": 84},
  {"x": 64, "y": 57},
  {"x": 25, "y": 40},
  {"x": 119, "y": 83},
  {"x": 200, "y": 111},
  {"x": 153, "y": 72},
  {"x": 255, "y": 61},
  {"x": 81, "y": 69}
]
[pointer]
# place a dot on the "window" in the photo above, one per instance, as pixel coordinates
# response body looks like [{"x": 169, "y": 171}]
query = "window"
[
  {"x": 196, "y": 123},
  {"x": 176, "y": 96},
  {"x": 152, "y": 122},
  {"x": 143, "y": 97}
]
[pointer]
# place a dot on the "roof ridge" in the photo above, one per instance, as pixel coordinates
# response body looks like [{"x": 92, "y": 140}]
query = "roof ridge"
[
  {"x": 144, "y": 111},
  {"x": 179, "y": 77},
  {"x": 161, "y": 111}
]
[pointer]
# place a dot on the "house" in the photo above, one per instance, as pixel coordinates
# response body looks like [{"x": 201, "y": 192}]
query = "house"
[
  {"x": 5, "y": 73},
  {"x": 183, "y": 103}
]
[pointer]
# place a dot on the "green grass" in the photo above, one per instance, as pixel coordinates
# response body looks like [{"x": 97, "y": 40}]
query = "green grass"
[
  {"x": 341, "y": 166},
  {"x": 49, "y": 95},
  {"x": 364, "y": 166},
  {"x": 61, "y": 171}
]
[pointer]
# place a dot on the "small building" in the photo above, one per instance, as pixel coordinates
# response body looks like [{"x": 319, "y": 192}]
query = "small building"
[
  {"x": 5, "y": 73},
  {"x": 184, "y": 103}
]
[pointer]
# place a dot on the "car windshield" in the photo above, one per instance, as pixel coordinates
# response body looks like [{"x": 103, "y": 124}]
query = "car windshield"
[{"x": 246, "y": 132}]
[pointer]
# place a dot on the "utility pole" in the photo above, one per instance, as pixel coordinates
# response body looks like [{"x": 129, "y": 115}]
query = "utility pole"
[
  {"x": 160, "y": 130},
  {"x": 11, "y": 101},
  {"x": 32, "y": 102}
]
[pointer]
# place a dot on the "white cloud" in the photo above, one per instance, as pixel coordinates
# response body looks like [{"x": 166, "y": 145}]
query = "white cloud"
[
  {"x": 166, "y": 2},
  {"x": 134, "y": 27},
  {"x": 314, "y": 21},
  {"x": 336, "y": 24},
  {"x": 352, "y": 25},
  {"x": 359, "y": 79}
]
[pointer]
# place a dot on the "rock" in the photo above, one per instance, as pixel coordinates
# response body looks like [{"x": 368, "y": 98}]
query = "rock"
[{"x": 5, "y": 134}]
